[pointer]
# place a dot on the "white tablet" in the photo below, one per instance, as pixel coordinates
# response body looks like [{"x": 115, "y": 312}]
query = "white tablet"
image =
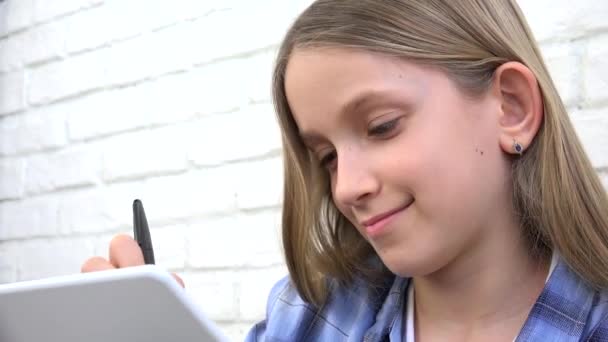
[{"x": 141, "y": 303}]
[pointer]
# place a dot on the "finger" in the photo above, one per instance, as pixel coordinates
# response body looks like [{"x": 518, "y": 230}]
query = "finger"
[
  {"x": 179, "y": 280},
  {"x": 125, "y": 252},
  {"x": 96, "y": 264}
]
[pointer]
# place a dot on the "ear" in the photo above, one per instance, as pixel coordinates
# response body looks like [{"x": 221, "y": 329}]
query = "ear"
[{"x": 521, "y": 105}]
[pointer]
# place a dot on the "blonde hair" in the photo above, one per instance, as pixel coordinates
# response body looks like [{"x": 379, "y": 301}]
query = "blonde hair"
[{"x": 557, "y": 194}]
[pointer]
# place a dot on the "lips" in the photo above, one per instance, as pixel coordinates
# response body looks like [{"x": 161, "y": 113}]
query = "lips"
[
  {"x": 378, "y": 218},
  {"x": 379, "y": 224}
]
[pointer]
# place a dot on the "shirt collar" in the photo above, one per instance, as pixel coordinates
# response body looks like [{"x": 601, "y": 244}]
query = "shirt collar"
[
  {"x": 562, "y": 309},
  {"x": 559, "y": 314}
]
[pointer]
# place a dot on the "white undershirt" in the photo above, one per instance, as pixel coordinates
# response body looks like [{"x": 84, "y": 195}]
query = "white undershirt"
[{"x": 409, "y": 314}]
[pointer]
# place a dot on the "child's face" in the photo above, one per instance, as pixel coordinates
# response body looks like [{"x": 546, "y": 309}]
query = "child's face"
[{"x": 415, "y": 146}]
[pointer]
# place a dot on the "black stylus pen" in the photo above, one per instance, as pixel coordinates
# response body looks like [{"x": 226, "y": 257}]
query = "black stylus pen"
[{"x": 141, "y": 232}]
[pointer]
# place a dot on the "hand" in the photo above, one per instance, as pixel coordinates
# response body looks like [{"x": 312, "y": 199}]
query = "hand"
[{"x": 124, "y": 252}]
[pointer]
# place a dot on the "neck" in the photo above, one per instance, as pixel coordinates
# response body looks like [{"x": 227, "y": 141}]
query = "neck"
[{"x": 488, "y": 285}]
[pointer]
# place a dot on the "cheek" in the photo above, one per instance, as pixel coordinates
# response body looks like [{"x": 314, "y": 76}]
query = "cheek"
[{"x": 454, "y": 171}]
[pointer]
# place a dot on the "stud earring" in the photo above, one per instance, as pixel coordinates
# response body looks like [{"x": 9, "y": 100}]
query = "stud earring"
[{"x": 517, "y": 147}]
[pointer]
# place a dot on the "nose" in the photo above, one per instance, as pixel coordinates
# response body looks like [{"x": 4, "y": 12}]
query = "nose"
[{"x": 354, "y": 181}]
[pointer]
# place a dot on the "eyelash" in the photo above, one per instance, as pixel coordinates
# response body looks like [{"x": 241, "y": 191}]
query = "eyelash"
[
  {"x": 380, "y": 130},
  {"x": 384, "y": 128}
]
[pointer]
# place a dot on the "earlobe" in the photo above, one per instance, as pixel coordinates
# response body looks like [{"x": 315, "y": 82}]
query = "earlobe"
[
  {"x": 521, "y": 104},
  {"x": 517, "y": 148}
]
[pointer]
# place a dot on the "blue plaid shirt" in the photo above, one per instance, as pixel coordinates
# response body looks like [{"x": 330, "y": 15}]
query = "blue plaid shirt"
[{"x": 566, "y": 310}]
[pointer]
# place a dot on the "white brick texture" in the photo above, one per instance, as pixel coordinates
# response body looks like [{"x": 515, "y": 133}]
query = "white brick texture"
[
  {"x": 44, "y": 42},
  {"x": 12, "y": 52},
  {"x": 15, "y": 15},
  {"x": 11, "y": 179},
  {"x": 12, "y": 92},
  {"x": 106, "y": 101},
  {"x": 596, "y": 70},
  {"x": 45, "y": 10},
  {"x": 204, "y": 251},
  {"x": 72, "y": 167},
  {"x": 38, "y": 130},
  {"x": 560, "y": 20},
  {"x": 68, "y": 77}
]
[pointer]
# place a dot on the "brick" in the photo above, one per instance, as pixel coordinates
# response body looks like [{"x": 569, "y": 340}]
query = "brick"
[
  {"x": 231, "y": 84},
  {"x": 68, "y": 168},
  {"x": 301, "y": 5},
  {"x": 101, "y": 244},
  {"x": 214, "y": 292},
  {"x": 11, "y": 179},
  {"x": 107, "y": 112},
  {"x": 169, "y": 245},
  {"x": 98, "y": 210},
  {"x": 42, "y": 129},
  {"x": 44, "y": 43},
  {"x": 257, "y": 80},
  {"x": 36, "y": 130},
  {"x": 155, "y": 14},
  {"x": 15, "y": 15},
  {"x": 9, "y": 131},
  {"x": 143, "y": 57},
  {"x": 88, "y": 29},
  {"x": 43, "y": 258},
  {"x": 563, "y": 62},
  {"x": 12, "y": 52},
  {"x": 254, "y": 241},
  {"x": 28, "y": 218},
  {"x": 8, "y": 266},
  {"x": 69, "y": 77},
  {"x": 196, "y": 194},
  {"x": 566, "y": 20},
  {"x": 171, "y": 99},
  {"x": 243, "y": 29},
  {"x": 592, "y": 129},
  {"x": 45, "y": 10},
  {"x": 260, "y": 184},
  {"x": 596, "y": 70},
  {"x": 251, "y": 132},
  {"x": 253, "y": 289},
  {"x": 12, "y": 97},
  {"x": 91, "y": 29},
  {"x": 144, "y": 153},
  {"x": 163, "y": 13},
  {"x": 236, "y": 331},
  {"x": 218, "y": 87},
  {"x": 246, "y": 185}
]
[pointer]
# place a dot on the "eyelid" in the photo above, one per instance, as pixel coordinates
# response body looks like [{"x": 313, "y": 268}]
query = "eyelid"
[
  {"x": 384, "y": 118},
  {"x": 391, "y": 123},
  {"x": 327, "y": 158}
]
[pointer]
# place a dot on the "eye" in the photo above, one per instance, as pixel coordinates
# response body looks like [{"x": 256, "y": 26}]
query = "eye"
[
  {"x": 384, "y": 128},
  {"x": 328, "y": 160}
]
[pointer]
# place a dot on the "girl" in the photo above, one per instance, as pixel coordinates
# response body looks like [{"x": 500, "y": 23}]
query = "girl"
[{"x": 434, "y": 186}]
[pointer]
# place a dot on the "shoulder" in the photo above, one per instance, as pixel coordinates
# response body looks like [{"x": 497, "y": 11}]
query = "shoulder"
[{"x": 348, "y": 311}]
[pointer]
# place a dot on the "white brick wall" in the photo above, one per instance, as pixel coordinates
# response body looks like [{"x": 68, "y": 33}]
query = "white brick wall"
[{"x": 104, "y": 101}]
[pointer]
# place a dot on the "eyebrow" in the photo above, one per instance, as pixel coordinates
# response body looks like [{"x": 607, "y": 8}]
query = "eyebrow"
[{"x": 361, "y": 100}]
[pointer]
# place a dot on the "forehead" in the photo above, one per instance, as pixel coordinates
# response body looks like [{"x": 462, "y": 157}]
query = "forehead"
[
  {"x": 327, "y": 81},
  {"x": 342, "y": 70}
]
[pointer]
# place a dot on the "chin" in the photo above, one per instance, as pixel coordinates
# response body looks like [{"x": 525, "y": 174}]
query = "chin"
[{"x": 408, "y": 266}]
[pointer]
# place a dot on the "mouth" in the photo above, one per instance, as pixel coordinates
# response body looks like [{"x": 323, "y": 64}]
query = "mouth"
[{"x": 375, "y": 225}]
